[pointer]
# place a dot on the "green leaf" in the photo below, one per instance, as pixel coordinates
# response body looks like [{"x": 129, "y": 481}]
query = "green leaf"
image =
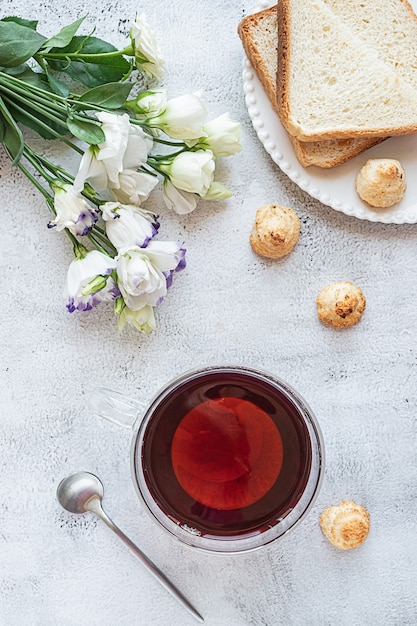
[
  {"x": 58, "y": 86},
  {"x": 12, "y": 136},
  {"x": 64, "y": 37},
  {"x": 17, "y": 43},
  {"x": 41, "y": 80},
  {"x": 37, "y": 79},
  {"x": 86, "y": 131},
  {"x": 33, "y": 24},
  {"x": 15, "y": 71},
  {"x": 94, "y": 71},
  {"x": 109, "y": 96},
  {"x": 86, "y": 44},
  {"x": 92, "y": 75},
  {"x": 22, "y": 116},
  {"x": 42, "y": 125}
]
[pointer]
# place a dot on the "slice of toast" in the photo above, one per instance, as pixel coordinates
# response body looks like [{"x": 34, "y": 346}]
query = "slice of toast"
[
  {"x": 259, "y": 36},
  {"x": 334, "y": 77}
]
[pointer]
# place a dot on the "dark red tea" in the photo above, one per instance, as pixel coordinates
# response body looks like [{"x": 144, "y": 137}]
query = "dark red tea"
[{"x": 226, "y": 453}]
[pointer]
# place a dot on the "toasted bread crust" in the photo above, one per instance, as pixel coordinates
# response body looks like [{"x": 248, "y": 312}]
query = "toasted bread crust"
[
  {"x": 245, "y": 33},
  {"x": 284, "y": 55},
  {"x": 331, "y": 152},
  {"x": 323, "y": 154}
]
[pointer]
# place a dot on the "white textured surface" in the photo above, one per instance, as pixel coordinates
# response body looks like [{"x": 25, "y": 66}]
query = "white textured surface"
[{"x": 229, "y": 306}]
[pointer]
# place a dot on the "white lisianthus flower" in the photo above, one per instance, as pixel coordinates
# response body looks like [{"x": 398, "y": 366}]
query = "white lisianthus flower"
[
  {"x": 125, "y": 147},
  {"x": 134, "y": 187},
  {"x": 182, "y": 202},
  {"x": 89, "y": 281},
  {"x": 145, "y": 46},
  {"x": 144, "y": 274},
  {"x": 103, "y": 163},
  {"x": 222, "y": 136},
  {"x": 72, "y": 210},
  {"x": 143, "y": 320},
  {"x": 191, "y": 171},
  {"x": 217, "y": 191},
  {"x": 182, "y": 117},
  {"x": 127, "y": 224}
]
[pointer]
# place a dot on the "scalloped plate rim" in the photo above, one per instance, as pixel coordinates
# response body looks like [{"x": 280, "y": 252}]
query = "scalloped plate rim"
[{"x": 313, "y": 180}]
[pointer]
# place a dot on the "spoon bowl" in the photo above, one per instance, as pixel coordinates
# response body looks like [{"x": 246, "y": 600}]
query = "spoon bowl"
[{"x": 74, "y": 493}]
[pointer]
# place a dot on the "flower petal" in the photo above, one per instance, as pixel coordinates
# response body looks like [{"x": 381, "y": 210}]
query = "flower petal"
[{"x": 182, "y": 202}]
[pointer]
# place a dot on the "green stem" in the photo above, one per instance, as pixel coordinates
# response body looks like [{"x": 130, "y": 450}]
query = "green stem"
[
  {"x": 147, "y": 171},
  {"x": 79, "y": 56},
  {"x": 96, "y": 243},
  {"x": 47, "y": 104},
  {"x": 165, "y": 157},
  {"x": 47, "y": 95},
  {"x": 58, "y": 172},
  {"x": 42, "y": 96},
  {"x": 54, "y": 168},
  {"x": 143, "y": 123},
  {"x": 155, "y": 167},
  {"x": 39, "y": 108},
  {"x": 42, "y": 124},
  {"x": 97, "y": 231},
  {"x": 73, "y": 239},
  {"x": 169, "y": 143},
  {"x": 24, "y": 90},
  {"x": 32, "y": 158},
  {"x": 36, "y": 183}
]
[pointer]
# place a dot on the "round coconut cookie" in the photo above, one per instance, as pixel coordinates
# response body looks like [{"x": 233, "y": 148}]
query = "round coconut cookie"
[
  {"x": 275, "y": 232},
  {"x": 346, "y": 526},
  {"x": 381, "y": 182},
  {"x": 341, "y": 304}
]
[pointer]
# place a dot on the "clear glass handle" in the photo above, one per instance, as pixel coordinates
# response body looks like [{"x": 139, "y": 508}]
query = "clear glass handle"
[{"x": 116, "y": 407}]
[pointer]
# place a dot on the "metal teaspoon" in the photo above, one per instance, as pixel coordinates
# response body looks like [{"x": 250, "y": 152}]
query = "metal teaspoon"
[{"x": 81, "y": 492}]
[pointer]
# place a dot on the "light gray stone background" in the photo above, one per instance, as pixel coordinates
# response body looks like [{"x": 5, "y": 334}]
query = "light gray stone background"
[{"x": 228, "y": 306}]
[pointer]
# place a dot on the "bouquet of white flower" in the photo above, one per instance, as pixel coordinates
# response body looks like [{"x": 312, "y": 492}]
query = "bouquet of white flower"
[{"x": 115, "y": 136}]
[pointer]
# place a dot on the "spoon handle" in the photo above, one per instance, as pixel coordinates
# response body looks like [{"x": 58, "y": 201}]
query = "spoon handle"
[{"x": 94, "y": 506}]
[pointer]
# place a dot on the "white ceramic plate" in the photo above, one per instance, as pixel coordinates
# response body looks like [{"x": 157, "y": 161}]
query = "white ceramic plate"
[{"x": 334, "y": 187}]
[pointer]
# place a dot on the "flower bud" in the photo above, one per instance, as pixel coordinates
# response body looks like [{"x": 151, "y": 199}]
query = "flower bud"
[
  {"x": 182, "y": 117},
  {"x": 148, "y": 103},
  {"x": 143, "y": 320},
  {"x": 222, "y": 136},
  {"x": 191, "y": 171}
]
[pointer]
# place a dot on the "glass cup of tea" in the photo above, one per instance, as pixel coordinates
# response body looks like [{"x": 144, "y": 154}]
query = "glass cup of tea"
[{"x": 226, "y": 459}]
